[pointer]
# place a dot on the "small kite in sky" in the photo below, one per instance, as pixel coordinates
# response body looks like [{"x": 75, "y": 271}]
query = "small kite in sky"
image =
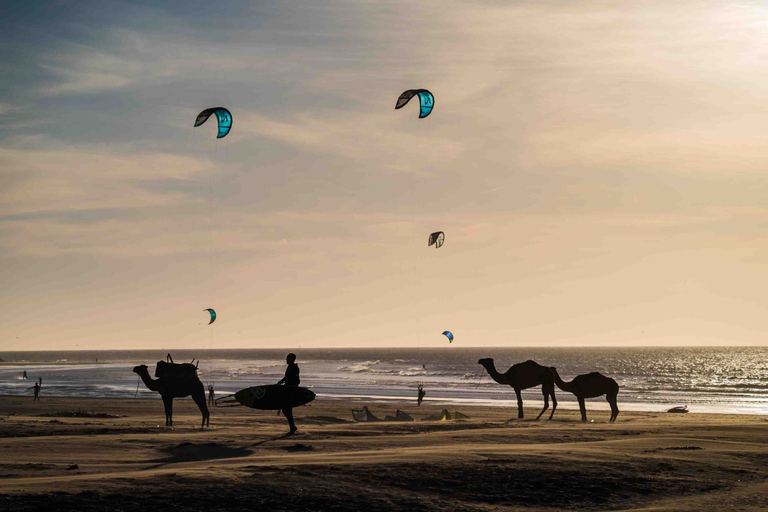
[
  {"x": 426, "y": 101},
  {"x": 449, "y": 335},
  {"x": 213, "y": 315},
  {"x": 437, "y": 238},
  {"x": 222, "y": 114}
]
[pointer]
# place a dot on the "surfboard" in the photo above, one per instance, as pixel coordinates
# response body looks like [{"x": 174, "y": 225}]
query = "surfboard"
[{"x": 274, "y": 396}]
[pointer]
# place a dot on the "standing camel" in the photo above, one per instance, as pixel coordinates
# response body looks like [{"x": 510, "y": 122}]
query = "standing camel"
[
  {"x": 171, "y": 387},
  {"x": 590, "y": 385},
  {"x": 523, "y": 376}
]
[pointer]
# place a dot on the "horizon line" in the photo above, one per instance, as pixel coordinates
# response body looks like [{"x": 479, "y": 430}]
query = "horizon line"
[{"x": 392, "y": 347}]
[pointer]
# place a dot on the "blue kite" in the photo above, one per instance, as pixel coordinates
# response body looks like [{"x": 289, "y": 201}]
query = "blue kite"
[
  {"x": 223, "y": 115},
  {"x": 426, "y": 101},
  {"x": 213, "y": 315},
  {"x": 449, "y": 335}
]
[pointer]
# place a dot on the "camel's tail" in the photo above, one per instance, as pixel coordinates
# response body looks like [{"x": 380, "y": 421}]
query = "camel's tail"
[{"x": 227, "y": 401}]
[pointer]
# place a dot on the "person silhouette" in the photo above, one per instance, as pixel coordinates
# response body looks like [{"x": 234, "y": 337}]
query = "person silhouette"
[
  {"x": 37, "y": 387},
  {"x": 211, "y": 394},
  {"x": 291, "y": 378},
  {"x": 24, "y": 375},
  {"x": 422, "y": 393}
]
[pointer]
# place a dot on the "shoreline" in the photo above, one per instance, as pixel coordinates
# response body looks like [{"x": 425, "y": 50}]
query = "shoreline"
[
  {"x": 597, "y": 404},
  {"x": 653, "y": 380}
]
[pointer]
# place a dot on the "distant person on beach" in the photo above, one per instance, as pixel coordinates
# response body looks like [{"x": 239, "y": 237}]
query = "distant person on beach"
[
  {"x": 211, "y": 394},
  {"x": 422, "y": 394},
  {"x": 291, "y": 378},
  {"x": 24, "y": 375},
  {"x": 37, "y": 387}
]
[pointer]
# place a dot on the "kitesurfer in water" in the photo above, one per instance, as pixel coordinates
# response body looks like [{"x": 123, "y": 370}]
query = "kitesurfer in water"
[
  {"x": 422, "y": 393},
  {"x": 211, "y": 394},
  {"x": 24, "y": 375},
  {"x": 291, "y": 379}
]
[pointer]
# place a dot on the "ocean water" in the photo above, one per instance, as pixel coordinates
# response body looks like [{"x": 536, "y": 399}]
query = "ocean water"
[{"x": 730, "y": 380}]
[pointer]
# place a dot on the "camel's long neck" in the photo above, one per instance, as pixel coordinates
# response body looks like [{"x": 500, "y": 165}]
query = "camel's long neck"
[
  {"x": 147, "y": 380},
  {"x": 495, "y": 375},
  {"x": 565, "y": 386}
]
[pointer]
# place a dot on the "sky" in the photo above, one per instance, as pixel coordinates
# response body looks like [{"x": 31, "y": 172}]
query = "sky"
[{"x": 597, "y": 168}]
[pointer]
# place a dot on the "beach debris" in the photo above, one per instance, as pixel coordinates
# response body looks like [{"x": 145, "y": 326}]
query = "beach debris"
[
  {"x": 426, "y": 101},
  {"x": 73, "y": 466},
  {"x": 449, "y": 335},
  {"x": 443, "y": 415},
  {"x": 437, "y": 239},
  {"x": 363, "y": 415},
  {"x": 399, "y": 416},
  {"x": 223, "y": 115},
  {"x": 213, "y": 315}
]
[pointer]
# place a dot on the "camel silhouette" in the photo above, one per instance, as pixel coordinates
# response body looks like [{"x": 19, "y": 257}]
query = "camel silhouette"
[
  {"x": 173, "y": 387},
  {"x": 590, "y": 385},
  {"x": 523, "y": 376}
]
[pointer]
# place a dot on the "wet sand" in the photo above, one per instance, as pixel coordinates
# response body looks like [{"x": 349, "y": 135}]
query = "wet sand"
[{"x": 117, "y": 455}]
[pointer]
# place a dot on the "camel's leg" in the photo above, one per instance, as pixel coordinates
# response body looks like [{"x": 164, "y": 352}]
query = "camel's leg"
[
  {"x": 168, "y": 404},
  {"x": 614, "y": 407},
  {"x": 199, "y": 399},
  {"x": 582, "y": 408},
  {"x": 546, "y": 400},
  {"x": 519, "y": 404},
  {"x": 554, "y": 401}
]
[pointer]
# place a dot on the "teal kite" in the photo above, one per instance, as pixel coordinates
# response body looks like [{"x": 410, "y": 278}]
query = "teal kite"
[
  {"x": 223, "y": 115},
  {"x": 426, "y": 101}
]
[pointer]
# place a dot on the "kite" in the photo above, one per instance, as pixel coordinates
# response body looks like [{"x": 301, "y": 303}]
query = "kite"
[
  {"x": 449, "y": 335},
  {"x": 213, "y": 315},
  {"x": 437, "y": 238},
  {"x": 426, "y": 101},
  {"x": 222, "y": 114}
]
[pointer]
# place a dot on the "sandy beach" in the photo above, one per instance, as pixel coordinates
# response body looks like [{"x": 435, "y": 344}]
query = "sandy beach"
[{"x": 95, "y": 454}]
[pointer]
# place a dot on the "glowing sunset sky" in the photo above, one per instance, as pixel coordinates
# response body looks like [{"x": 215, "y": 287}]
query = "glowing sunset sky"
[{"x": 599, "y": 169}]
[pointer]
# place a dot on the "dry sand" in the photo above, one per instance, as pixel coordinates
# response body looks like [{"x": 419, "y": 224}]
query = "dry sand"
[{"x": 123, "y": 458}]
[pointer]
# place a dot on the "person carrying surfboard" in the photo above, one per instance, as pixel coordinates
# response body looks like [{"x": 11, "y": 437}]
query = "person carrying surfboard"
[{"x": 291, "y": 378}]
